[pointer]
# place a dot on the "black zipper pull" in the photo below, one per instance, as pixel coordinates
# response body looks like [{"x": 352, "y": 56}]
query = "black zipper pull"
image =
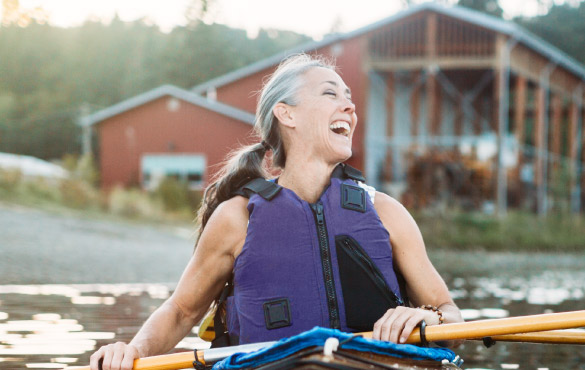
[{"x": 318, "y": 208}]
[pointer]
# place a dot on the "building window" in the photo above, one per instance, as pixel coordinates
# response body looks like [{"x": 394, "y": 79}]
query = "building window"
[{"x": 189, "y": 168}]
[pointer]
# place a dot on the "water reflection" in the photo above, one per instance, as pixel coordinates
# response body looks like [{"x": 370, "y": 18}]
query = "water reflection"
[{"x": 55, "y": 326}]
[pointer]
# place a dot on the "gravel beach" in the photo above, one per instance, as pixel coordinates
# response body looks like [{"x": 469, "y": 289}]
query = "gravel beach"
[{"x": 43, "y": 247}]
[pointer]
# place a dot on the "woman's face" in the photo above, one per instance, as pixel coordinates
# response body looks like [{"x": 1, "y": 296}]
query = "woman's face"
[{"x": 324, "y": 118}]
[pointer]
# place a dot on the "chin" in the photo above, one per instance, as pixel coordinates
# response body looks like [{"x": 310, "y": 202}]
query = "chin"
[{"x": 343, "y": 155}]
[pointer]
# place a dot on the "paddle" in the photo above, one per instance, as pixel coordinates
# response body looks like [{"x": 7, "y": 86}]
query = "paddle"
[
  {"x": 550, "y": 337},
  {"x": 498, "y": 329}
]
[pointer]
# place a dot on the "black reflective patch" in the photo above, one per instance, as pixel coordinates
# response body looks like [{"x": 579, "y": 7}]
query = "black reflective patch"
[
  {"x": 277, "y": 313},
  {"x": 353, "y": 197}
]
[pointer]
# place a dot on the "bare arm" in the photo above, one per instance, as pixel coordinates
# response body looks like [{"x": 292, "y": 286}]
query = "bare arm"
[
  {"x": 203, "y": 278},
  {"x": 424, "y": 284}
]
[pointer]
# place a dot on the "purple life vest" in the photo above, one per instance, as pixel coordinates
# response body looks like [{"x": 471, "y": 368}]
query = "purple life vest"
[{"x": 303, "y": 265}]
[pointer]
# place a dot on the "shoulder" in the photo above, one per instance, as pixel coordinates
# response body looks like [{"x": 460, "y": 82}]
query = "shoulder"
[
  {"x": 227, "y": 226},
  {"x": 388, "y": 207},
  {"x": 396, "y": 219},
  {"x": 232, "y": 213}
]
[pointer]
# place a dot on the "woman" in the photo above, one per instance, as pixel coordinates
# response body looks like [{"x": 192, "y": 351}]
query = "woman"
[{"x": 299, "y": 256}]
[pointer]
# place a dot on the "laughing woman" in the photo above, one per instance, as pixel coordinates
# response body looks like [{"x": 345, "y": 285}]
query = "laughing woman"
[{"x": 314, "y": 247}]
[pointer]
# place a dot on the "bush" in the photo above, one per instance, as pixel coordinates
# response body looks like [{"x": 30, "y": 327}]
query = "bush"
[
  {"x": 133, "y": 203},
  {"x": 10, "y": 179},
  {"x": 78, "y": 194},
  {"x": 173, "y": 194},
  {"x": 43, "y": 188}
]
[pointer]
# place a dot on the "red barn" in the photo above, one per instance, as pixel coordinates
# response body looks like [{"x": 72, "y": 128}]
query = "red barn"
[{"x": 428, "y": 77}]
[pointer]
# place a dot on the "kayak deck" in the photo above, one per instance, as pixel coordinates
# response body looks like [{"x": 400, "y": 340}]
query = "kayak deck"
[{"x": 349, "y": 359}]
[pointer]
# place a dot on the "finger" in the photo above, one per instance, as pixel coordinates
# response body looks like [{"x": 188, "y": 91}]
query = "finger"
[
  {"x": 107, "y": 360},
  {"x": 409, "y": 326},
  {"x": 378, "y": 324},
  {"x": 95, "y": 359},
  {"x": 387, "y": 326},
  {"x": 118, "y": 356},
  {"x": 398, "y": 325},
  {"x": 130, "y": 354}
]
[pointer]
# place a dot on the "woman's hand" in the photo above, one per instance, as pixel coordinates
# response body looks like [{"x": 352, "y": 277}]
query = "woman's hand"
[
  {"x": 397, "y": 323},
  {"x": 115, "y": 356}
]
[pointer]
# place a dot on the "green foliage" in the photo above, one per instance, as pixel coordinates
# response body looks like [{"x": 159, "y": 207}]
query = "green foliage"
[
  {"x": 133, "y": 203},
  {"x": 172, "y": 193},
  {"x": 491, "y": 7},
  {"x": 10, "y": 179},
  {"x": 519, "y": 231},
  {"x": 78, "y": 194},
  {"x": 48, "y": 73},
  {"x": 562, "y": 26}
]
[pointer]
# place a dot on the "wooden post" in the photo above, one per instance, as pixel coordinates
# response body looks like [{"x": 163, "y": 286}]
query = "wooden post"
[
  {"x": 557, "y": 111},
  {"x": 540, "y": 112},
  {"x": 415, "y": 107},
  {"x": 431, "y": 85},
  {"x": 573, "y": 137},
  {"x": 520, "y": 118},
  {"x": 477, "y": 129},
  {"x": 388, "y": 168},
  {"x": 459, "y": 116}
]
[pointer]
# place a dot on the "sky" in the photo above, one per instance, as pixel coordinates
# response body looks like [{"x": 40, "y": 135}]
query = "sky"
[{"x": 311, "y": 17}]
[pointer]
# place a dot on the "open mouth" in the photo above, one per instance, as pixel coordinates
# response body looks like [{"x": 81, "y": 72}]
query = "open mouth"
[{"x": 340, "y": 128}]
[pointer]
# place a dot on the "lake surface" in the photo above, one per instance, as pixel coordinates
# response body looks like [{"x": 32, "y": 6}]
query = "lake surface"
[{"x": 102, "y": 279}]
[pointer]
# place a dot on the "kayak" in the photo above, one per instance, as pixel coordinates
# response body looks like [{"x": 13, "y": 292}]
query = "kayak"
[
  {"x": 323, "y": 348},
  {"x": 348, "y": 359}
]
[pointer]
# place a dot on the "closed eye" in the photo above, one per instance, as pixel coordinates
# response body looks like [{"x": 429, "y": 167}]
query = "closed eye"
[{"x": 329, "y": 92}]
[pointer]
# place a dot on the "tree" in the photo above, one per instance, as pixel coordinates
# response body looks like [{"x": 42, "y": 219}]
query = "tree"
[
  {"x": 562, "y": 26},
  {"x": 491, "y": 7}
]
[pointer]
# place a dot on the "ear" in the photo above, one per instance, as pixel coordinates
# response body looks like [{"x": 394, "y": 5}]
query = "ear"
[{"x": 283, "y": 112}]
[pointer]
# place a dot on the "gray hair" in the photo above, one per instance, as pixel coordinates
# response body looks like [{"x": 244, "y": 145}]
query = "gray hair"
[
  {"x": 282, "y": 87},
  {"x": 246, "y": 163}
]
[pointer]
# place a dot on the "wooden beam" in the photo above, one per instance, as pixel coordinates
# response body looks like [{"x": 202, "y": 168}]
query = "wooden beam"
[
  {"x": 496, "y": 100},
  {"x": 389, "y": 124},
  {"x": 477, "y": 118},
  {"x": 431, "y": 36},
  {"x": 572, "y": 143},
  {"x": 557, "y": 112},
  {"x": 459, "y": 116},
  {"x": 444, "y": 63},
  {"x": 520, "y": 118},
  {"x": 539, "y": 134},
  {"x": 415, "y": 106},
  {"x": 434, "y": 104}
]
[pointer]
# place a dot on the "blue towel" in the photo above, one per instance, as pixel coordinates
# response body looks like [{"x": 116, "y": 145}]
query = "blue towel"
[{"x": 317, "y": 337}]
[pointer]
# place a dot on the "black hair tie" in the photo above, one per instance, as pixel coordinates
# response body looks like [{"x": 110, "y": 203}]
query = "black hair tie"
[
  {"x": 423, "y": 336},
  {"x": 265, "y": 145}
]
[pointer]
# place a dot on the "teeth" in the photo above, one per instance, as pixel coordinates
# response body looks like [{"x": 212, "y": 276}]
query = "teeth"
[{"x": 342, "y": 125}]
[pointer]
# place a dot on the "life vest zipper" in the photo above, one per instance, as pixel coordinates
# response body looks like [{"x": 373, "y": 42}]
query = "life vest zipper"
[{"x": 326, "y": 264}]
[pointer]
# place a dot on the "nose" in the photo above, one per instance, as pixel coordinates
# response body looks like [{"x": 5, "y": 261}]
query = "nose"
[{"x": 348, "y": 106}]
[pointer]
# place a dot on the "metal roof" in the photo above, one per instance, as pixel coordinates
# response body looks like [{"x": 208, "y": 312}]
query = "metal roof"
[
  {"x": 465, "y": 14},
  {"x": 167, "y": 90}
]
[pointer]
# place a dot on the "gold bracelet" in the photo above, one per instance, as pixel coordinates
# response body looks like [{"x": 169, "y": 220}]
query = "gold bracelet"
[{"x": 428, "y": 307}]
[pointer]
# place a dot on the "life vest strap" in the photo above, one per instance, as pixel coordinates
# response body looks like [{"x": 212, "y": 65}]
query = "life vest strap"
[
  {"x": 352, "y": 173},
  {"x": 266, "y": 189}
]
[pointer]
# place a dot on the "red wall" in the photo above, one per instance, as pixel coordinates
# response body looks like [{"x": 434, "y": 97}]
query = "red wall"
[{"x": 153, "y": 128}]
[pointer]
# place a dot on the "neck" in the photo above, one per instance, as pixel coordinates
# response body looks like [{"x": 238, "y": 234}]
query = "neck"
[{"x": 308, "y": 179}]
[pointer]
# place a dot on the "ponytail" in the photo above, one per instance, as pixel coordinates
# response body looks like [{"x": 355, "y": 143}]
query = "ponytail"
[
  {"x": 242, "y": 166},
  {"x": 248, "y": 163}
]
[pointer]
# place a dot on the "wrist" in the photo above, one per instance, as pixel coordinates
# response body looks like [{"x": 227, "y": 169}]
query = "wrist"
[{"x": 436, "y": 310}]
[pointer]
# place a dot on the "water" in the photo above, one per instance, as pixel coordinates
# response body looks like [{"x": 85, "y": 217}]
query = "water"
[
  {"x": 52, "y": 326},
  {"x": 64, "y": 320}
]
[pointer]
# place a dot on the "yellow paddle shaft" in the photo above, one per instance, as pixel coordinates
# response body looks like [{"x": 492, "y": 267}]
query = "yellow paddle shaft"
[
  {"x": 495, "y": 327},
  {"x": 498, "y": 329},
  {"x": 547, "y": 337},
  {"x": 181, "y": 360}
]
